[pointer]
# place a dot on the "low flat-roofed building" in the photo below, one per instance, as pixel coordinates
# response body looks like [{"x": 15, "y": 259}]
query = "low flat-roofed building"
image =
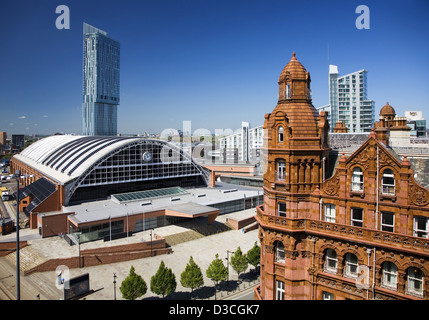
[{"x": 96, "y": 186}]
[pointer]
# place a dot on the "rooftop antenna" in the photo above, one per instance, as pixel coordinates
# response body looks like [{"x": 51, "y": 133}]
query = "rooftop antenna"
[{"x": 328, "y": 56}]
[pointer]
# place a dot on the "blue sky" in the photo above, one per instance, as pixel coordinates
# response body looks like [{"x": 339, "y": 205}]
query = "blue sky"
[{"x": 212, "y": 62}]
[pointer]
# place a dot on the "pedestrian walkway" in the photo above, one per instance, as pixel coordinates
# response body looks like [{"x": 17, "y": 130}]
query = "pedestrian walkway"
[{"x": 203, "y": 250}]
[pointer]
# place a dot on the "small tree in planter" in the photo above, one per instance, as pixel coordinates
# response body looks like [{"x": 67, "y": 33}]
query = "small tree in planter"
[
  {"x": 217, "y": 271},
  {"x": 192, "y": 276},
  {"x": 239, "y": 262},
  {"x": 163, "y": 282},
  {"x": 133, "y": 286}
]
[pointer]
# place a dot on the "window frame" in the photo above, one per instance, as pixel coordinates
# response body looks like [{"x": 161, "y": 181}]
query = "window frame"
[
  {"x": 280, "y": 136},
  {"x": 327, "y": 295},
  {"x": 351, "y": 264},
  {"x": 413, "y": 279},
  {"x": 329, "y": 208},
  {"x": 279, "y": 212},
  {"x": 385, "y": 187},
  {"x": 417, "y": 231},
  {"x": 354, "y": 220},
  {"x": 384, "y": 225},
  {"x": 281, "y": 170},
  {"x": 287, "y": 91},
  {"x": 357, "y": 186},
  {"x": 331, "y": 258},
  {"x": 389, "y": 273},
  {"x": 280, "y": 290},
  {"x": 279, "y": 252}
]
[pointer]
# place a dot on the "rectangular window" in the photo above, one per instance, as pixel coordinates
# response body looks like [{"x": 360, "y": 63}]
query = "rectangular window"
[
  {"x": 387, "y": 221},
  {"x": 287, "y": 91},
  {"x": 281, "y": 170},
  {"x": 357, "y": 217},
  {"x": 327, "y": 296},
  {"x": 330, "y": 212},
  {"x": 421, "y": 228},
  {"x": 280, "y": 290},
  {"x": 281, "y": 209},
  {"x": 388, "y": 182}
]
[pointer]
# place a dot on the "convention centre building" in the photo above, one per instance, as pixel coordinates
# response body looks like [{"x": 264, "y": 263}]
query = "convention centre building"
[{"x": 99, "y": 184}]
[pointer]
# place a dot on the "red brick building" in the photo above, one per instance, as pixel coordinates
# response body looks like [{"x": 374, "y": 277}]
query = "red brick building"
[{"x": 361, "y": 233}]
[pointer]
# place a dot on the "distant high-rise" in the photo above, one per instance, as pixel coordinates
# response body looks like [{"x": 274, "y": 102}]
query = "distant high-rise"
[
  {"x": 100, "y": 83},
  {"x": 348, "y": 101}
]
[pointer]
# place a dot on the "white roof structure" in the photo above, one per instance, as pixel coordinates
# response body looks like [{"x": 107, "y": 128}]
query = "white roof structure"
[{"x": 63, "y": 158}]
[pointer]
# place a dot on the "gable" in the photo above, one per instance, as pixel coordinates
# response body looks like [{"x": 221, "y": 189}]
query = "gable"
[{"x": 366, "y": 157}]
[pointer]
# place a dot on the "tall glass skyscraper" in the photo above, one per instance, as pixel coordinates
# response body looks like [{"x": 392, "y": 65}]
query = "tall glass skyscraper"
[
  {"x": 349, "y": 102},
  {"x": 100, "y": 82}
]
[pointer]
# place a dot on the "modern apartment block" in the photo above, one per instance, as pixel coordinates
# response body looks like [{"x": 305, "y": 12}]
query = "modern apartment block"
[
  {"x": 244, "y": 145},
  {"x": 100, "y": 83},
  {"x": 349, "y": 102}
]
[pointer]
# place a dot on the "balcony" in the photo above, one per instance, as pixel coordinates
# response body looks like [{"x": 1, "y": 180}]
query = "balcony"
[{"x": 377, "y": 238}]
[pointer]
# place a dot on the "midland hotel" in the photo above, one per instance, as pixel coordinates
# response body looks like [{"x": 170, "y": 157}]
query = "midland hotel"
[{"x": 337, "y": 228}]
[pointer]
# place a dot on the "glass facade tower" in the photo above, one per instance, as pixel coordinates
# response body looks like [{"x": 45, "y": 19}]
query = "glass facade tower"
[
  {"x": 100, "y": 82},
  {"x": 349, "y": 102}
]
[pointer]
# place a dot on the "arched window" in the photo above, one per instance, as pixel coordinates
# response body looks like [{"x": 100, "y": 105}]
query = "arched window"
[
  {"x": 388, "y": 182},
  {"x": 415, "y": 281},
  {"x": 390, "y": 275},
  {"x": 331, "y": 260},
  {"x": 281, "y": 136},
  {"x": 357, "y": 179},
  {"x": 351, "y": 268},
  {"x": 279, "y": 252}
]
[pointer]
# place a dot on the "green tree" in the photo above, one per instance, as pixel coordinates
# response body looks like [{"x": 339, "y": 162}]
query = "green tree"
[
  {"x": 133, "y": 286},
  {"x": 217, "y": 271},
  {"x": 192, "y": 277},
  {"x": 254, "y": 255},
  {"x": 239, "y": 261},
  {"x": 164, "y": 281}
]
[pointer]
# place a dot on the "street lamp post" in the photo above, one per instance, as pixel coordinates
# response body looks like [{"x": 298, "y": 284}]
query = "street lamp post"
[
  {"x": 18, "y": 176},
  {"x": 227, "y": 265},
  {"x": 114, "y": 286},
  {"x": 18, "y": 285},
  {"x": 151, "y": 233}
]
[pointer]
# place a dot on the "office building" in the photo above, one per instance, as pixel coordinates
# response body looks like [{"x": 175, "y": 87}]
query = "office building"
[
  {"x": 100, "y": 83},
  {"x": 242, "y": 146},
  {"x": 351, "y": 227},
  {"x": 3, "y": 137},
  {"x": 349, "y": 102},
  {"x": 18, "y": 141},
  {"x": 417, "y": 123}
]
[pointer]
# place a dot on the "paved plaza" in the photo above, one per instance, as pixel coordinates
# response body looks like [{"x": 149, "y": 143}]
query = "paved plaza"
[{"x": 43, "y": 285}]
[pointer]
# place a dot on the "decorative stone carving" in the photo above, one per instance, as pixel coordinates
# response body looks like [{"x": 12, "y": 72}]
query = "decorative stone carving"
[
  {"x": 417, "y": 195},
  {"x": 332, "y": 185},
  {"x": 363, "y": 158}
]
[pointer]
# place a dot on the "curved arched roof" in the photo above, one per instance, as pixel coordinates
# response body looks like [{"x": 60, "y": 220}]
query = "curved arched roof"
[{"x": 64, "y": 158}]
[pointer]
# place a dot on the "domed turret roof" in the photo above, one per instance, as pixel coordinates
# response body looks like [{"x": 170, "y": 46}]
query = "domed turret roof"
[
  {"x": 294, "y": 68},
  {"x": 387, "y": 110},
  {"x": 301, "y": 114}
]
